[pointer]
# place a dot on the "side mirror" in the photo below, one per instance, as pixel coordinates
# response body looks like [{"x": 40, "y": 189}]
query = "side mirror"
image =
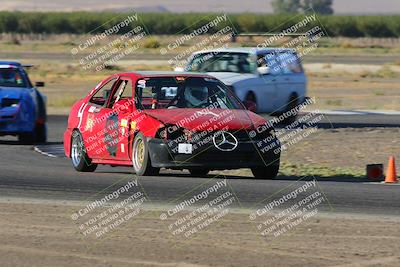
[
  {"x": 250, "y": 105},
  {"x": 178, "y": 69},
  {"x": 39, "y": 84},
  {"x": 263, "y": 70}
]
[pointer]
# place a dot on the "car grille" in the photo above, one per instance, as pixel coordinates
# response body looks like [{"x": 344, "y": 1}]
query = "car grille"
[{"x": 243, "y": 135}]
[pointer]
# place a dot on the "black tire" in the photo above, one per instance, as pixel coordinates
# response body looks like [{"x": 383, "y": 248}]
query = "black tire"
[
  {"x": 268, "y": 172},
  {"x": 292, "y": 105},
  {"x": 41, "y": 133},
  {"x": 26, "y": 138},
  {"x": 79, "y": 157},
  {"x": 251, "y": 97},
  {"x": 141, "y": 161},
  {"x": 199, "y": 172}
]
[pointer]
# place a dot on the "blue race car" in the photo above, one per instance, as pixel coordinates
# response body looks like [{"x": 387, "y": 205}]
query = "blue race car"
[{"x": 22, "y": 106}]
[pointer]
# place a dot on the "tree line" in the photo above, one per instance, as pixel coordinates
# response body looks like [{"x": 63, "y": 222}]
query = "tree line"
[{"x": 168, "y": 23}]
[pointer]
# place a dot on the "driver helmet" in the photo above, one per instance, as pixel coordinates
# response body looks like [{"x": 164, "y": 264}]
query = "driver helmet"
[{"x": 196, "y": 96}]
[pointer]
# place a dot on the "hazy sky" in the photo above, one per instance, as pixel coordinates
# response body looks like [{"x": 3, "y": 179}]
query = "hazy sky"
[{"x": 340, "y": 6}]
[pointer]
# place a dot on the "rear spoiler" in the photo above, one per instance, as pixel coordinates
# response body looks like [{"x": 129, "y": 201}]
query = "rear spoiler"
[{"x": 8, "y": 66}]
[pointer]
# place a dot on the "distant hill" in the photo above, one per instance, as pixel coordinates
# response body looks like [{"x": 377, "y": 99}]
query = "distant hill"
[{"x": 235, "y": 6}]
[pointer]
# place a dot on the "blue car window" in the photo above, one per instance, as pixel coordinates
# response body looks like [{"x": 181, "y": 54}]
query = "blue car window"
[{"x": 11, "y": 77}]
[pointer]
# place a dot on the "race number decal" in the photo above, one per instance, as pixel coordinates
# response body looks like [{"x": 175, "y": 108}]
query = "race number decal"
[{"x": 80, "y": 113}]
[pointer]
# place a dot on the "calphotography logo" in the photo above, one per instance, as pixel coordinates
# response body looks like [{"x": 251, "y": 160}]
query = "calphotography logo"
[{"x": 225, "y": 141}]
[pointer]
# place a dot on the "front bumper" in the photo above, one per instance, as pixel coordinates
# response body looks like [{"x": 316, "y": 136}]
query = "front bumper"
[
  {"x": 13, "y": 126},
  {"x": 67, "y": 142},
  {"x": 13, "y": 121},
  {"x": 246, "y": 155}
]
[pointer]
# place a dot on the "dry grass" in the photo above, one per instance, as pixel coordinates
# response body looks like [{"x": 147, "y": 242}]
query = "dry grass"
[
  {"x": 334, "y": 85},
  {"x": 384, "y": 72},
  {"x": 67, "y": 83},
  {"x": 63, "y": 43}
]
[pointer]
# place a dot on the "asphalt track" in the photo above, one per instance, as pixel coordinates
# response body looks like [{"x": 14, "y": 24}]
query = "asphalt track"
[{"x": 26, "y": 174}]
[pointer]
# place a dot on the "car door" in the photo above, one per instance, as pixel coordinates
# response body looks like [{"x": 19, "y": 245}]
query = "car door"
[
  {"x": 122, "y": 104},
  {"x": 291, "y": 79},
  {"x": 98, "y": 118},
  {"x": 267, "y": 83}
]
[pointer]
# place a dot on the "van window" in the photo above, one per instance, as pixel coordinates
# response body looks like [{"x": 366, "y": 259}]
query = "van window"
[
  {"x": 290, "y": 62},
  {"x": 273, "y": 63},
  {"x": 222, "y": 62}
]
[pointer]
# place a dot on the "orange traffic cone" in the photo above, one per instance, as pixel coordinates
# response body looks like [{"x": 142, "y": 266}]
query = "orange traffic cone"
[{"x": 391, "y": 176}]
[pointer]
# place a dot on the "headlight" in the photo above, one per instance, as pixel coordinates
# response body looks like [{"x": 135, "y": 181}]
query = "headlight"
[
  {"x": 173, "y": 132},
  {"x": 9, "y": 102}
]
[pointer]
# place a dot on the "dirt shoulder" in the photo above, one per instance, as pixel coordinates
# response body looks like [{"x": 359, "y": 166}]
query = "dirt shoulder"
[
  {"x": 346, "y": 147},
  {"x": 336, "y": 152},
  {"x": 45, "y": 235}
]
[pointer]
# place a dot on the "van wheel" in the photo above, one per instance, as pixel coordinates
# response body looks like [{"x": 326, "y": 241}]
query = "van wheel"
[
  {"x": 251, "y": 98},
  {"x": 141, "y": 158},
  {"x": 291, "y": 106},
  {"x": 79, "y": 157}
]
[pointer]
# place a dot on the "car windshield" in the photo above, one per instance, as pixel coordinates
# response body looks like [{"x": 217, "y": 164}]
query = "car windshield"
[
  {"x": 223, "y": 62},
  {"x": 184, "y": 92},
  {"x": 11, "y": 77}
]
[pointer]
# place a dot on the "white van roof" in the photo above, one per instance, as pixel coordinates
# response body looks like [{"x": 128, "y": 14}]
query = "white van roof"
[{"x": 247, "y": 50}]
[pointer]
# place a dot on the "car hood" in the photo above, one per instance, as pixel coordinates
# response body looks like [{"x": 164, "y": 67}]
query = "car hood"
[
  {"x": 229, "y": 78},
  {"x": 11, "y": 92},
  {"x": 207, "y": 119}
]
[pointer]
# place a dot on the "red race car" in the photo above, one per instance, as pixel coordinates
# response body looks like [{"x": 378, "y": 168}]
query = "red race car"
[{"x": 153, "y": 120}]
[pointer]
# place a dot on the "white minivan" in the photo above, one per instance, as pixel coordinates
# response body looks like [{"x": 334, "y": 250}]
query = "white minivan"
[{"x": 272, "y": 80}]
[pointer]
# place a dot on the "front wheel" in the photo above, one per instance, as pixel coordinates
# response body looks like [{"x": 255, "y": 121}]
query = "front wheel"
[
  {"x": 79, "y": 157},
  {"x": 141, "y": 158},
  {"x": 27, "y": 138},
  {"x": 39, "y": 135},
  {"x": 268, "y": 172}
]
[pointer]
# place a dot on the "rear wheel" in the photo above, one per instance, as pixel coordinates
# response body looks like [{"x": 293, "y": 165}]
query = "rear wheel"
[
  {"x": 79, "y": 157},
  {"x": 268, "y": 172},
  {"x": 41, "y": 133},
  {"x": 199, "y": 172},
  {"x": 141, "y": 158}
]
